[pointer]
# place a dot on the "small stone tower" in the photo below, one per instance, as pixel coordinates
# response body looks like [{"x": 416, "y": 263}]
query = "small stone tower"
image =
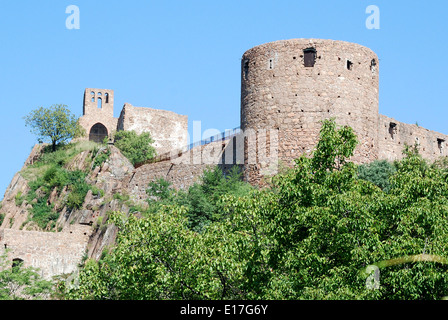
[
  {"x": 98, "y": 113},
  {"x": 291, "y": 85}
]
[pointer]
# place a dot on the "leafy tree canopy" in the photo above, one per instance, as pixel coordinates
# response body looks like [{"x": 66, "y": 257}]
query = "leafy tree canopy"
[
  {"x": 377, "y": 172},
  {"x": 315, "y": 234}
]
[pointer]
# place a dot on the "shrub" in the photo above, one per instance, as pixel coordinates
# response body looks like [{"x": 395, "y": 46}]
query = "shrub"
[
  {"x": 121, "y": 197},
  {"x": 19, "y": 199},
  {"x": 43, "y": 214},
  {"x": 100, "y": 158},
  {"x": 377, "y": 172},
  {"x": 97, "y": 191},
  {"x": 74, "y": 200},
  {"x": 49, "y": 173},
  {"x": 160, "y": 189}
]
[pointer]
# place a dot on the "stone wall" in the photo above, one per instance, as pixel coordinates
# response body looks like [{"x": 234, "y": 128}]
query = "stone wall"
[
  {"x": 169, "y": 130},
  {"x": 53, "y": 253},
  {"x": 279, "y": 90},
  {"x": 182, "y": 170}
]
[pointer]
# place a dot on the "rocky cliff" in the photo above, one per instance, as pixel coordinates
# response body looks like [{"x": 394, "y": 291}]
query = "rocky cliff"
[
  {"x": 77, "y": 233},
  {"x": 75, "y": 224}
]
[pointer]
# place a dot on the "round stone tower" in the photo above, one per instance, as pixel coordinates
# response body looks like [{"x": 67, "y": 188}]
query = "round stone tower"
[{"x": 291, "y": 85}]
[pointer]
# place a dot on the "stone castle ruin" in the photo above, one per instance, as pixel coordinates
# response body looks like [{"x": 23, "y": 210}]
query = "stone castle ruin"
[
  {"x": 168, "y": 129},
  {"x": 287, "y": 88}
]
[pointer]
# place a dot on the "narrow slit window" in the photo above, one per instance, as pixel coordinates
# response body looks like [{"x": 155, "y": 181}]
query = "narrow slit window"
[
  {"x": 440, "y": 144},
  {"x": 271, "y": 64},
  {"x": 246, "y": 68},
  {"x": 100, "y": 103},
  {"x": 309, "y": 57},
  {"x": 107, "y": 97},
  {"x": 392, "y": 130},
  {"x": 373, "y": 65}
]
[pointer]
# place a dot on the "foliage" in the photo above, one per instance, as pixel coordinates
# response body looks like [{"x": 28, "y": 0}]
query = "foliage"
[
  {"x": 56, "y": 124},
  {"x": 159, "y": 190},
  {"x": 311, "y": 236},
  {"x": 202, "y": 200},
  {"x": 377, "y": 172},
  {"x": 20, "y": 283},
  {"x": 49, "y": 173},
  {"x": 136, "y": 147}
]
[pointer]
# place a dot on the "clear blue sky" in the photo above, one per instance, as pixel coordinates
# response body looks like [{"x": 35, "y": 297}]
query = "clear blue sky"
[{"x": 185, "y": 56}]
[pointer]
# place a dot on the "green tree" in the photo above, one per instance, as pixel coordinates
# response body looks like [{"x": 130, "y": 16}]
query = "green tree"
[
  {"x": 321, "y": 233},
  {"x": 56, "y": 124},
  {"x": 159, "y": 190},
  {"x": 313, "y": 235},
  {"x": 204, "y": 198},
  {"x": 377, "y": 172},
  {"x": 136, "y": 147},
  {"x": 156, "y": 257},
  {"x": 20, "y": 283}
]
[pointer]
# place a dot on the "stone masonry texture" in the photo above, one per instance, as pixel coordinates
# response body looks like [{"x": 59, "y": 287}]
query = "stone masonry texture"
[
  {"x": 94, "y": 112},
  {"x": 169, "y": 130},
  {"x": 278, "y": 91}
]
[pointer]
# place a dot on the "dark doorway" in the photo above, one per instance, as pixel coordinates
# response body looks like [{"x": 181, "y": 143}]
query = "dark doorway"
[
  {"x": 98, "y": 133},
  {"x": 309, "y": 57}
]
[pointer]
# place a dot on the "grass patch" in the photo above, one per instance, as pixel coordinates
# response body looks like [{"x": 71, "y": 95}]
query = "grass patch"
[
  {"x": 43, "y": 214},
  {"x": 19, "y": 198}
]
